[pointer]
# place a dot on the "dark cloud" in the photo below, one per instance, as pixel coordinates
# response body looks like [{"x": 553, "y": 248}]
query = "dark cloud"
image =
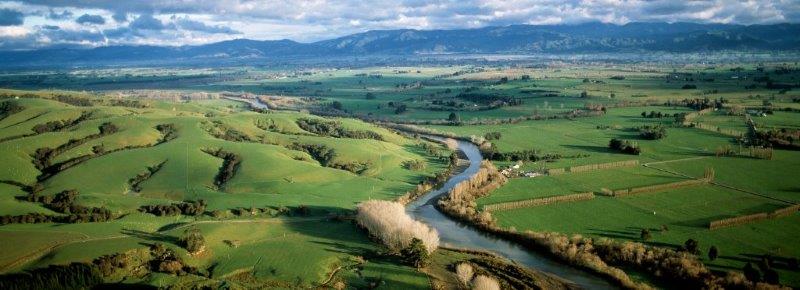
[
  {"x": 9, "y": 17},
  {"x": 665, "y": 7},
  {"x": 50, "y": 27},
  {"x": 91, "y": 19},
  {"x": 199, "y": 21},
  {"x": 188, "y": 24},
  {"x": 147, "y": 22},
  {"x": 66, "y": 14},
  {"x": 120, "y": 16}
]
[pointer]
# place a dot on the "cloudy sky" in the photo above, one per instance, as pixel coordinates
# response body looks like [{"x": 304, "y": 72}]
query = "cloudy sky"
[{"x": 40, "y": 23}]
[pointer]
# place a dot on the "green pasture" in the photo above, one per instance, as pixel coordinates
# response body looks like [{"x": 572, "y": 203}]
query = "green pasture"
[
  {"x": 286, "y": 250},
  {"x": 685, "y": 212}
]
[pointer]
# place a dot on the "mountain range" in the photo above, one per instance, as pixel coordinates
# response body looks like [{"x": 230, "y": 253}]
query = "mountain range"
[{"x": 584, "y": 38}]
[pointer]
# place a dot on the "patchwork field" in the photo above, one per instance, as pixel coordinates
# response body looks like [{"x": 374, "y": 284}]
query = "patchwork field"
[
  {"x": 743, "y": 185},
  {"x": 123, "y": 165}
]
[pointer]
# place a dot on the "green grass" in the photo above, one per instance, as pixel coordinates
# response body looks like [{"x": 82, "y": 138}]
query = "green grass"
[
  {"x": 620, "y": 178},
  {"x": 297, "y": 251},
  {"x": 686, "y": 213},
  {"x": 271, "y": 175}
]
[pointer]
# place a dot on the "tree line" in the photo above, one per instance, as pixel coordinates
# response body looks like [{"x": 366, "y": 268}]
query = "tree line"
[
  {"x": 189, "y": 208},
  {"x": 230, "y": 165},
  {"x": 335, "y": 129},
  {"x": 136, "y": 181},
  {"x": 9, "y": 108},
  {"x": 63, "y": 203}
]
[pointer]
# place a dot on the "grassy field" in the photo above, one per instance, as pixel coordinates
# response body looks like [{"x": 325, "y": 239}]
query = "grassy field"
[
  {"x": 751, "y": 185},
  {"x": 295, "y": 251},
  {"x": 274, "y": 173}
]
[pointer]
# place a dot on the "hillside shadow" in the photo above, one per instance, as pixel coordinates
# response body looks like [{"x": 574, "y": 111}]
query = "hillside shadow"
[
  {"x": 616, "y": 234},
  {"x": 596, "y": 149},
  {"x": 148, "y": 236}
]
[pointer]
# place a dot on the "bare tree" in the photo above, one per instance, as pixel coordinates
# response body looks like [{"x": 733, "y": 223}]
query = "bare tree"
[
  {"x": 482, "y": 282},
  {"x": 389, "y": 222},
  {"x": 464, "y": 272}
]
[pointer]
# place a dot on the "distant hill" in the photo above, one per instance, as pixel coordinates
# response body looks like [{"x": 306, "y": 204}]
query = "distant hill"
[{"x": 514, "y": 39}]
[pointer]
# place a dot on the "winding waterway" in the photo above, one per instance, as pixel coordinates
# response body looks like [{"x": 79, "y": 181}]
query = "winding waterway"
[{"x": 456, "y": 234}]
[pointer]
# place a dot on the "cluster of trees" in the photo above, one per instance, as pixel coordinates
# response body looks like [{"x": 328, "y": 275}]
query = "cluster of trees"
[
  {"x": 73, "y": 100},
  {"x": 70, "y": 276},
  {"x": 92, "y": 275},
  {"x": 625, "y": 146},
  {"x": 429, "y": 148},
  {"x": 9, "y": 108},
  {"x": 491, "y": 153},
  {"x": 321, "y": 153},
  {"x": 399, "y": 107},
  {"x": 354, "y": 167},
  {"x": 653, "y": 132},
  {"x": 128, "y": 103},
  {"x": 62, "y": 202},
  {"x": 454, "y": 118},
  {"x": 389, "y": 222},
  {"x": 492, "y": 100},
  {"x": 460, "y": 200},
  {"x": 168, "y": 132},
  {"x": 223, "y": 132},
  {"x": 415, "y": 165},
  {"x": 59, "y": 125},
  {"x": 165, "y": 260},
  {"x": 42, "y": 157},
  {"x": 492, "y": 136},
  {"x": 97, "y": 151},
  {"x": 230, "y": 164},
  {"x": 416, "y": 254},
  {"x": 325, "y": 156},
  {"x": 430, "y": 182},
  {"x": 137, "y": 180},
  {"x": 777, "y": 138},
  {"x": 700, "y": 104},
  {"x": 681, "y": 267},
  {"x": 193, "y": 240},
  {"x": 449, "y": 103},
  {"x": 659, "y": 115},
  {"x": 189, "y": 207},
  {"x": 766, "y": 269},
  {"x": 334, "y": 129}
]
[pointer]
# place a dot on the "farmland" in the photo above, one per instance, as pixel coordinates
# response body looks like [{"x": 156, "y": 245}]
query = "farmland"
[
  {"x": 276, "y": 180},
  {"x": 283, "y": 183}
]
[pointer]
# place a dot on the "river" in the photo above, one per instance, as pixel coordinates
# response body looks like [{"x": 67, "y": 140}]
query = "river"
[{"x": 457, "y": 234}]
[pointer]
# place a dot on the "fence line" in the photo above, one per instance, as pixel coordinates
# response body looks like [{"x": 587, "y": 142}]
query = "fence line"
[
  {"x": 660, "y": 187},
  {"x": 744, "y": 219},
  {"x": 539, "y": 201},
  {"x": 590, "y": 167}
]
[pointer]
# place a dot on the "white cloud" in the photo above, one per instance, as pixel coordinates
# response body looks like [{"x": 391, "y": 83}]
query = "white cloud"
[{"x": 194, "y": 21}]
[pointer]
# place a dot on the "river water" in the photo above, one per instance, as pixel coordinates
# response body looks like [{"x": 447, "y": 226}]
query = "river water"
[{"x": 456, "y": 234}]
